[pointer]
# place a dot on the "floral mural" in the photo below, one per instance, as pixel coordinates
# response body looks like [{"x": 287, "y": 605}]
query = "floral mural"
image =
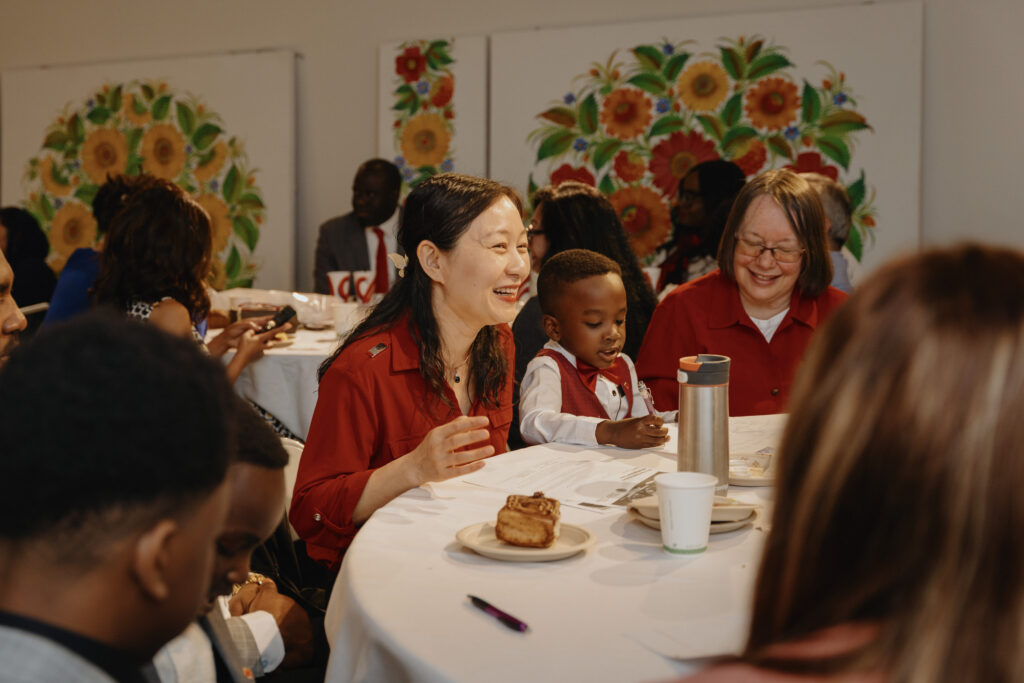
[
  {"x": 634, "y": 125},
  {"x": 424, "y": 114},
  {"x": 146, "y": 127}
]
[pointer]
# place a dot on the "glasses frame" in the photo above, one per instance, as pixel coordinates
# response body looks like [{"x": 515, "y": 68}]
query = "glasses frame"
[{"x": 795, "y": 254}]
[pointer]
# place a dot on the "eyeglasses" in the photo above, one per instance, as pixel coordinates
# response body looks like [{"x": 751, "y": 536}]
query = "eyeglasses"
[{"x": 752, "y": 249}]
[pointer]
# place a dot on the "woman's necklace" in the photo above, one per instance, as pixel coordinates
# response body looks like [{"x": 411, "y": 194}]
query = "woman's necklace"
[{"x": 455, "y": 371}]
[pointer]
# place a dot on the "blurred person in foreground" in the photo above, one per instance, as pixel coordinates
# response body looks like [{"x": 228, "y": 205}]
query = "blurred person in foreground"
[
  {"x": 838, "y": 220},
  {"x": 895, "y": 551},
  {"x": 12, "y": 321},
  {"x": 108, "y": 521},
  {"x": 26, "y": 250},
  {"x": 759, "y": 308},
  {"x": 267, "y": 629}
]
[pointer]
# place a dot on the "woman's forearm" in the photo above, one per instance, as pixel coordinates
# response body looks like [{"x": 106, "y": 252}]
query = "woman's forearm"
[{"x": 384, "y": 485}]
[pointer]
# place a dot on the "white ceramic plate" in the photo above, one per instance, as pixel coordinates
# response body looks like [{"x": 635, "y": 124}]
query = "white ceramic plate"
[
  {"x": 751, "y": 469},
  {"x": 480, "y": 538},
  {"x": 716, "y": 527},
  {"x": 725, "y": 509}
]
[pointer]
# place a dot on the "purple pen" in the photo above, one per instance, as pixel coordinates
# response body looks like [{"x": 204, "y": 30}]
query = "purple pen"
[
  {"x": 645, "y": 393},
  {"x": 503, "y": 617}
]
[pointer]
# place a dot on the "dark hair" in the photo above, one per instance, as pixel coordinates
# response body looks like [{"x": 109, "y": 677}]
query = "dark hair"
[
  {"x": 25, "y": 240},
  {"x": 106, "y": 423},
  {"x": 158, "y": 246},
  {"x": 439, "y": 209},
  {"x": 113, "y": 194},
  {"x": 800, "y": 202},
  {"x": 386, "y": 169},
  {"x": 257, "y": 442},
  {"x": 567, "y": 267},
  {"x": 896, "y": 503},
  {"x": 577, "y": 216}
]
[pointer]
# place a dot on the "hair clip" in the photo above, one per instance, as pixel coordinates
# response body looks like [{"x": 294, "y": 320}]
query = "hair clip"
[{"x": 400, "y": 263}]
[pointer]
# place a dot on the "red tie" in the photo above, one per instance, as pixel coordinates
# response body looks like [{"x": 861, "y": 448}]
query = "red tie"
[
  {"x": 380, "y": 282},
  {"x": 588, "y": 373}
]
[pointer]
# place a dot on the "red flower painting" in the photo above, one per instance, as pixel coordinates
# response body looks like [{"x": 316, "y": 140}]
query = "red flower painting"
[{"x": 411, "y": 64}]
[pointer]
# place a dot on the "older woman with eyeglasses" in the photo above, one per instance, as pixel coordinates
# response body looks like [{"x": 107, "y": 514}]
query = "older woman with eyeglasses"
[{"x": 760, "y": 307}]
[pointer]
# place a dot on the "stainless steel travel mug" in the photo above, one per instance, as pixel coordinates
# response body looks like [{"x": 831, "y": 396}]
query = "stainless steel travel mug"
[{"x": 704, "y": 417}]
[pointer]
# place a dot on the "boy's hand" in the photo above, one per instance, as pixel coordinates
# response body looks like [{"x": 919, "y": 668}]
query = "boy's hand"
[{"x": 633, "y": 432}]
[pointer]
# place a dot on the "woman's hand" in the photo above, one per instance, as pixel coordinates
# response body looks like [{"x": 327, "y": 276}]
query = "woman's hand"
[
  {"x": 633, "y": 432},
  {"x": 249, "y": 347},
  {"x": 438, "y": 457},
  {"x": 229, "y": 338}
]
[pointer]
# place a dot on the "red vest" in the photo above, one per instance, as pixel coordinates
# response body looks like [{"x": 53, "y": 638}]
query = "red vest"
[{"x": 577, "y": 397}]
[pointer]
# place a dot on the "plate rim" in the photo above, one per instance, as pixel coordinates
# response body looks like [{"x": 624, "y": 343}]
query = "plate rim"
[
  {"x": 716, "y": 527},
  {"x": 515, "y": 553}
]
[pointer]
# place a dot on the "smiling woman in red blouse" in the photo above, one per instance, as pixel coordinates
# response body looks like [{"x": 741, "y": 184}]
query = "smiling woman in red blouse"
[
  {"x": 760, "y": 308},
  {"x": 422, "y": 390}
]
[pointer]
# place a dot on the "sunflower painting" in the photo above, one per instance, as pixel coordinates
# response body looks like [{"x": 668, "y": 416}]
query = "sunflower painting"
[
  {"x": 424, "y": 112},
  {"x": 146, "y": 127},
  {"x": 635, "y": 124}
]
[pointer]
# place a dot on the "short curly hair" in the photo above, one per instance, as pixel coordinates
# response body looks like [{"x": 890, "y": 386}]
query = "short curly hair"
[
  {"x": 133, "y": 425},
  {"x": 567, "y": 267}
]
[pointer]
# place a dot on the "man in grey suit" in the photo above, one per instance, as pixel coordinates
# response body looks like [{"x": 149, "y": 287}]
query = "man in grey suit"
[
  {"x": 116, "y": 439},
  {"x": 353, "y": 241}
]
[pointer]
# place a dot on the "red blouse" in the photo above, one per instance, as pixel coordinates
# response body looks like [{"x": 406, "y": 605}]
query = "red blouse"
[
  {"x": 706, "y": 316},
  {"x": 373, "y": 407}
]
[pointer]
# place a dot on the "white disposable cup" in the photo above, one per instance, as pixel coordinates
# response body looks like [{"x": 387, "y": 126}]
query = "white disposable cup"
[
  {"x": 685, "y": 500},
  {"x": 346, "y": 316},
  {"x": 365, "y": 282},
  {"x": 341, "y": 284}
]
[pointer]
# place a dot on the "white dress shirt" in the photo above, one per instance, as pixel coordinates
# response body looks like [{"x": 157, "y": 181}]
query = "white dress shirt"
[{"x": 540, "y": 403}]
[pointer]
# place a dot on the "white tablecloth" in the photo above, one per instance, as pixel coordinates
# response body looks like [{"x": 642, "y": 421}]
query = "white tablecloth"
[
  {"x": 284, "y": 382},
  {"x": 399, "y": 609}
]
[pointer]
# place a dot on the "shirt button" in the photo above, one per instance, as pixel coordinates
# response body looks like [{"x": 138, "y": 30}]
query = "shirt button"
[
  {"x": 317, "y": 517},
  {"x": 775, "y": 392}
]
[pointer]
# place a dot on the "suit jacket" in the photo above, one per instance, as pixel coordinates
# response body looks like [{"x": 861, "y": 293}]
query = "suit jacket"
[
  {"x": 340, "y": 246},
  {"x": 30, "y": 658}
]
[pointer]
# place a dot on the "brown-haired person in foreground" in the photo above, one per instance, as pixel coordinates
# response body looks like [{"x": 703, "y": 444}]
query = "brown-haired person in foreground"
[{"x": 895, "y": 552}]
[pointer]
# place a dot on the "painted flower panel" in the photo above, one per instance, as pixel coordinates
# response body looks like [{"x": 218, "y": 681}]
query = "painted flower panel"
[
  {"x": 704, "y": 86},
  {"x": 425, "y": 140},
  {"x": 644, "y": 217},
  {"x": 145, "y": 126},
  {"x": 626, "y": 113},
  {"x": 673, "y": 158},
  {"x": 424, "y": 113},
  {"x": 772, "y": 104},
  {"x": 737, "y": 101}
]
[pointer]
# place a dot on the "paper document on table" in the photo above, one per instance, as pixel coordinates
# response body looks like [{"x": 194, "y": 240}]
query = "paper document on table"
[{"x": 576, "y": 479}]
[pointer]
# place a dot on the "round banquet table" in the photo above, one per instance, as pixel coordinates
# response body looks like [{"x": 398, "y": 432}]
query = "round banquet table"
[
  {"x": 283, "y": 382},
  {"x": 623, "y": 610}
]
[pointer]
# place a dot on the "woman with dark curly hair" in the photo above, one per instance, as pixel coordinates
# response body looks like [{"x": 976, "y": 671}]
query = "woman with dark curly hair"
[
  {"x": 156, "y": 257},
  {"x": 421, "y": 390}
]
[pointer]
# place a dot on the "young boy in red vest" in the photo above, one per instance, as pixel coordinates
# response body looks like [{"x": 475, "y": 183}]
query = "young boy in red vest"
[{"x": 580, "y": 388}]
